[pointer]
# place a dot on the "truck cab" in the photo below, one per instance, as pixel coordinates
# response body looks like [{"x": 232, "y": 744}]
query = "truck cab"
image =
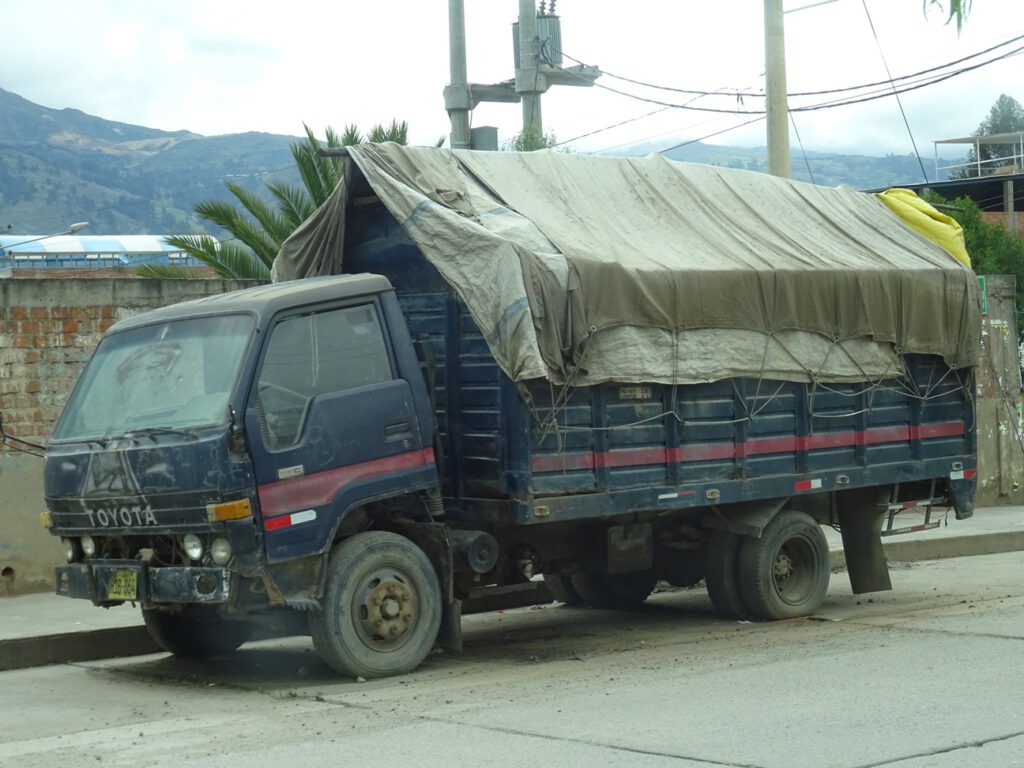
[{"x": 213, "y": 449}]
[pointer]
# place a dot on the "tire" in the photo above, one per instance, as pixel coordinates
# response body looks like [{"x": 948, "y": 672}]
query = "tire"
[
  {"x": 722, "y": 577},
  {"x": 619, "y": 591},
  {"x": 561, "y": 588},
  {"x": 195, "y": 635},
  {"x": 381, "y": 608},
  {"x": 785, "y": 573}
]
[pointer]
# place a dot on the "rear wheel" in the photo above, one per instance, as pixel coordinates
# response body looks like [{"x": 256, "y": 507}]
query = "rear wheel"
[
  {"x": 721, "y": 575},
  {"x": 198, "y": 634},
  {"x": 381, "y": 609},
  {"x": 785, "y": 573},
  {"x": 620, "y": 591}
]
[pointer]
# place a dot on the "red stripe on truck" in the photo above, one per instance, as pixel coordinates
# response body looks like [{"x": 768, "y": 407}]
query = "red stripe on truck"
[
  {"x": 567, "y": 462},
  {"x": 320, "y": 488}
]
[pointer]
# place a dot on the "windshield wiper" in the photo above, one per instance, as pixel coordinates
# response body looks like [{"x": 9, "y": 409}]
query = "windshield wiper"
[{"x": 152, "y": 432}]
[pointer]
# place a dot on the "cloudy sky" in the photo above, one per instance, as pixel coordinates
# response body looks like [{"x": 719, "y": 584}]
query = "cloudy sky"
[{"x": 224, "y": 66}]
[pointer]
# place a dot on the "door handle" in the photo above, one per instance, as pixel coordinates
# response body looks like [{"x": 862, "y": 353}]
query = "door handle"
[{"x": 399, "y": 431}]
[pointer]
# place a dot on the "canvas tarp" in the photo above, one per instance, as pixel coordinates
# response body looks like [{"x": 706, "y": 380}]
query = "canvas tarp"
[{"x": 583, "y": 269}]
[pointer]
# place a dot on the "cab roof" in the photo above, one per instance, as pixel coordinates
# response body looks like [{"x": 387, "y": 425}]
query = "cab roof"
[{"x": 265, "y": 300}]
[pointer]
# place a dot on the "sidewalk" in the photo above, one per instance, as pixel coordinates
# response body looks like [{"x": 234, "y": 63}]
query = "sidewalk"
[{"x": 46, "y": 629}]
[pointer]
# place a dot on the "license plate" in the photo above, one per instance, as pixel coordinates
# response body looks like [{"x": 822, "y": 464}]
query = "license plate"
[{"x": 123, "y": 585}]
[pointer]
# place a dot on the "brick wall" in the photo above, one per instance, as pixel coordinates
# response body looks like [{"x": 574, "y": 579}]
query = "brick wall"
[
  {"x": 48, "y": 329},
  {"x": 998, "y": 217},
  {"x": 42, "y": 349}
]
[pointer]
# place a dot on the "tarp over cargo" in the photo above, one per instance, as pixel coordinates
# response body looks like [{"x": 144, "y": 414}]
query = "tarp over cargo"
[{"x": 583, "y": 269}]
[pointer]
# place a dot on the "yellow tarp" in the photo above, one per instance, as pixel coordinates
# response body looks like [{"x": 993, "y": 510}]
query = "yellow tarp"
[{"x": 941, "y": 229}]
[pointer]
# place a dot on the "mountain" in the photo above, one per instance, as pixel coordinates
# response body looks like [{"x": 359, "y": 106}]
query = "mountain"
[
  {"x": 59, "y": 166},
  {"x": 826, "y": 168}
]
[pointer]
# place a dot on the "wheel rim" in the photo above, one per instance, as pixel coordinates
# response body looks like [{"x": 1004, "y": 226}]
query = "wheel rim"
[
  {"x": 385, "y": 608},
  {"x": 793, "y": 571}
]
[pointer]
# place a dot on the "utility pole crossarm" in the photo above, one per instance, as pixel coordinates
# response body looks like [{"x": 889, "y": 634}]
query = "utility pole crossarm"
[
  {"x": 534, "y": 74},
  {"x": 581, "y": 75}
]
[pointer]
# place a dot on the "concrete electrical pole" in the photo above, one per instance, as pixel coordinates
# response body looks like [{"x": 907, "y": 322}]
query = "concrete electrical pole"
[
  {"x": 775, "y": 76},
  {"x": 533, "y": 76},
  {"x": 528, "y": 68},
  {"x": 459, "y": 105}
]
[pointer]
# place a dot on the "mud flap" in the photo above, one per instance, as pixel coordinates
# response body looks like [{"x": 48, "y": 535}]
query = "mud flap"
[
  {"x": 449, "y": 636},
  {"x": 860, "y": 522},
  {"x": 962, "y": 492}
]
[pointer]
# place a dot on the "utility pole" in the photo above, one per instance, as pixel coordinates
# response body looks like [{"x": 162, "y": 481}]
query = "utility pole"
[
  {"x": 775, "y": 77},
  {"x": 459, "y": 105},
  {"x": 533, "y": 77},
  {"x": 528, "y": 79}
]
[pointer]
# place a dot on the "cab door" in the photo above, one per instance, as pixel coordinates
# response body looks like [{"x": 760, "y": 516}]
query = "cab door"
[{"x": 331, "y": 425}]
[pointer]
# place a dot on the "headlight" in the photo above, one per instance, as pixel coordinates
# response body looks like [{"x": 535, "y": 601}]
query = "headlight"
[
  {"x": 220, "y": 551},
  {"x": 70, "y": 550},
  {"x": 193, "y": 546},
  {"x": 88, "y": 546}
]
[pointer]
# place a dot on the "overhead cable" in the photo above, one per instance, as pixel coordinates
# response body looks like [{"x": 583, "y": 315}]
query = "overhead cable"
[
  {"x": 846, "y": 89},
  {"x": 869, "y": 96},
  {"x": 906, "y": 123}
]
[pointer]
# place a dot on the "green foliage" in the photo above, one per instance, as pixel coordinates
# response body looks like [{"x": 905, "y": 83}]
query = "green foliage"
[
  {"x": 994, "y": 250},
  {"x": 530, "y": 140},
  {"x": 1005, "y": 116},
  {"x": 958, "y": 9},
  {"x": 257, "y": 227}
]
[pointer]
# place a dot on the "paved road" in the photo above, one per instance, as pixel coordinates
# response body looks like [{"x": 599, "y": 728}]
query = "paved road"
[{"x": 929, "y": 675}]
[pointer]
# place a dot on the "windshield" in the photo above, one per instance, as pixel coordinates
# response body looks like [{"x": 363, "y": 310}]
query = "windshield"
[{"x": 168, "y": 376}]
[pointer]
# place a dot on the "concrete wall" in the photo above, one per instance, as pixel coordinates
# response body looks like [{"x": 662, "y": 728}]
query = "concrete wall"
[
  {"x": 48, "y": 329},
  {"x": 1000, "y": 440}
]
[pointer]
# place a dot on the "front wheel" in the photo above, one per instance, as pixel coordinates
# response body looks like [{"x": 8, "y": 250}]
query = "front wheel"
[
  {"x": 381, "y": 609},
  {"x": 785, "y": 573},
  {"x": 199, "y": 634}
]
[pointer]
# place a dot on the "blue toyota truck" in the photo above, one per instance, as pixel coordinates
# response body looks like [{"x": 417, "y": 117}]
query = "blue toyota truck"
[{"x": 480, "y": 370}]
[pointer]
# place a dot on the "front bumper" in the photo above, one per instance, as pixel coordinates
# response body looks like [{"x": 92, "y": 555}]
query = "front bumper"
[{"x": 118, "y": 581}]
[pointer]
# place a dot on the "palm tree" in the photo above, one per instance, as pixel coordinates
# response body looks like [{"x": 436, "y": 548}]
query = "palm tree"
[
  {"x": 958, "y": 9},
  {"x": 258, "y": 227}
]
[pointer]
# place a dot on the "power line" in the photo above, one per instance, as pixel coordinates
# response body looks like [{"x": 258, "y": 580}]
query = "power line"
[
  {"x": 910, "y": 133},
  {"x": 613, "y": 125},
  {"x": 800, "y": 141},
  {"x": 632, "y": 119},
  {"x": 846, "y": 89},
  {"x": 932, "y": 81},
  {"x": 870, "y": 96},
  {"x": 757, "y": 119}
]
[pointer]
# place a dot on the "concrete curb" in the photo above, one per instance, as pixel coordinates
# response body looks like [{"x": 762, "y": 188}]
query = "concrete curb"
[
  {"x": 942, "y": 548},
  {"x": 67, "y": 647},
  {"x": 121, "y": 642}
]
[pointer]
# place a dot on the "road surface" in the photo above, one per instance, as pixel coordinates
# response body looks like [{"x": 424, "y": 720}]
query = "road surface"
[{"x": 931, "y": 674}]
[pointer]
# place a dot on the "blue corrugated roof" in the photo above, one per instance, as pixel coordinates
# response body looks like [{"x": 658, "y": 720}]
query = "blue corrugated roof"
[{"x": 112, "y": 244}]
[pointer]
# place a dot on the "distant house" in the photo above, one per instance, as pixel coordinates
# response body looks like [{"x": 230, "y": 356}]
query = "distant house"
[
  {"x": 96, "y": 252},
  {"x": 996, "y": 185}
]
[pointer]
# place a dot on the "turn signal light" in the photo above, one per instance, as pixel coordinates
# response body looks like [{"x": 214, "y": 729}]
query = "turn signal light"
[{"x": 228, "y": 510}]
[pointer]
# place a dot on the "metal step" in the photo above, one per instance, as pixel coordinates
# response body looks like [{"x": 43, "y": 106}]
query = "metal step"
[{"x": 893, "y": 508}]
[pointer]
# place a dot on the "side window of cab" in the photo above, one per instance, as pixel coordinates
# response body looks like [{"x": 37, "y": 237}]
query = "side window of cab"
[{"x": 316, "y": 354}]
